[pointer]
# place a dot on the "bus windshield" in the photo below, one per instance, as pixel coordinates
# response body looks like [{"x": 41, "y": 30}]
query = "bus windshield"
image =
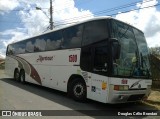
[
  {"x": 143, "y": 53},
  {"x": 133, "y": 60}
]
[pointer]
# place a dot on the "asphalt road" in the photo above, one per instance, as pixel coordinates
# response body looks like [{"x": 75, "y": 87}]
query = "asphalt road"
[{"x": 17, "y": 96}]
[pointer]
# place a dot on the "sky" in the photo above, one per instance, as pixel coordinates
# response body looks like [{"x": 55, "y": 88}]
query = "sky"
[{"x": 19, "y": 19}]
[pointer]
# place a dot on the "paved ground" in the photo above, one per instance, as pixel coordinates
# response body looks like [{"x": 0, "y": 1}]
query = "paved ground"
[{"x": 16, "y": 96}]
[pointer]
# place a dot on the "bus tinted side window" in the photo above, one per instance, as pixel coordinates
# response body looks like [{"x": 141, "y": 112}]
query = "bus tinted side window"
[
  {"x": 72, "y": 36},
  {"x": 10, "y": 50},
  {"x": 30, "y": 46},
  {"x": 53, "y": 41},
  {"x": 20, "y": 47},
  {"x": 95, "y": 31},
  {"x": 40, "y": 43}
]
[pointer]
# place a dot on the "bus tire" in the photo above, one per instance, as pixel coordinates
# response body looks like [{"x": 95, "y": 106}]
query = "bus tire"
[
  {"x": 16, "y": 74},
  {"x": 22, "y": 76},
  {"x": 78, "y": 90}
]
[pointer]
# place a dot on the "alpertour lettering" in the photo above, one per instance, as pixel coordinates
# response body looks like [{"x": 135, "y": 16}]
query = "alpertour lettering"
[{"x": 44, "y": 58}]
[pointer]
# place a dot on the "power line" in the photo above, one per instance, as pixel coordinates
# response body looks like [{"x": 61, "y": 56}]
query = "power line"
[
  {"x": 116, "y": 13},
  {"x": 17, "y": 10},
  {"x": 51, "y": 13},
  {"x": 61, "y": 9},
  {"x": 98, "y": 13},
  {"x": 104, "y": 11},
  {"x": 121, "y": 7},
  {"x": 135, "y": 9},
  {"x": 69, "y": 7}
]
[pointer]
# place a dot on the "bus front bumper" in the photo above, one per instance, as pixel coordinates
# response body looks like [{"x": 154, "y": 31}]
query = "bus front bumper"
[{"x": 128, "y": 96}]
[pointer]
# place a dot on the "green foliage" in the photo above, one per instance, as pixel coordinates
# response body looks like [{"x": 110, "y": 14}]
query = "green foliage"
[
  {"x": 155, "y": 51},
  {"x": 155, "y": 69}
]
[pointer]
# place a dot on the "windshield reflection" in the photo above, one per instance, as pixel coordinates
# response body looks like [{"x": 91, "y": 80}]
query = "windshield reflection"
[
  {"x": 143, "y": 52},
  {"x": 133, "y": 61}
]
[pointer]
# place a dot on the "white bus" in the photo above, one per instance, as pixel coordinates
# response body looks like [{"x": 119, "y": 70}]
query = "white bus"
[{"x": 102, "y": 59}]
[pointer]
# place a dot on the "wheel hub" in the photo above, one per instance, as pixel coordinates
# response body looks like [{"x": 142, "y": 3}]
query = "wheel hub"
[{"x": 78, "y": 90}]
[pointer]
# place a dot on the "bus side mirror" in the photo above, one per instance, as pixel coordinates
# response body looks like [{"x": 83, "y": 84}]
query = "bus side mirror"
[{"x": 116, "y": 47}]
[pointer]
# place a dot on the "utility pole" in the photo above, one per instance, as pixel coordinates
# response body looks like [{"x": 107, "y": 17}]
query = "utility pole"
[{"x": 51, "y": 17}]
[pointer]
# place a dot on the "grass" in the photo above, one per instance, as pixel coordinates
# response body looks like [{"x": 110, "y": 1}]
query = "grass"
[{"x": 154, "y": 99}]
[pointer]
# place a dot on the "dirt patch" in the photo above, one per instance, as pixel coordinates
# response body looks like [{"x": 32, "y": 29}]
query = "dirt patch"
[
  {"x": 1, "y": 71},
  {"x": 154, "y": 99},
  {"x": 2, "y": 74},
  {"x": 2, "y": 65}
]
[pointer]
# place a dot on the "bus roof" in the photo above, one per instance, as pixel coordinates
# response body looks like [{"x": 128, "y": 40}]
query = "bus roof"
[{"x": 76, "y": 23}]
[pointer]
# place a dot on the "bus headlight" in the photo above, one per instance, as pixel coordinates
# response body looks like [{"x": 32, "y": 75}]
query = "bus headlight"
[
  {"x": 121, "y": 87},
  {"x": 126, "y": 87}
]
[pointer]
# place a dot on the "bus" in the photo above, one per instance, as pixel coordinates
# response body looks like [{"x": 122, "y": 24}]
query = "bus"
[{"x": 102, "y": 59}]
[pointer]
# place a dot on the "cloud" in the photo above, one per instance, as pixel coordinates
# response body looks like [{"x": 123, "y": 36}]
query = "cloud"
[
  {"x": 35, "y": 21},
  {"x": 2, "y": 56},
  {"x": 154, "y": 41},
  {"x": 15, "y": 35},
  {"x": 147, "y": 20},
  {"x": 6, "y": 5},
  {"x": 65, "y": 11}
]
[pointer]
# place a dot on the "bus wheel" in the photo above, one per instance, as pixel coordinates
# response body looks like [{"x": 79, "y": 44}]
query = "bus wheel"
[
  {"x": 22, "y": 76},
  {"x": 78, "y": 90},
  {"x": 16, "y": 74}
]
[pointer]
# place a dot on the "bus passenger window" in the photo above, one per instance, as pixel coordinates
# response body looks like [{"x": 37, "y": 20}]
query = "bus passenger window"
[
  {"x": 53, "y": 41},
  {"x": 39, "y": 45},
  {"x": 94, "y": 31},
  {"x": 72, "y": 37},
  {"x": 10, "y": 50},
  {"x": 29, "y": 47}
]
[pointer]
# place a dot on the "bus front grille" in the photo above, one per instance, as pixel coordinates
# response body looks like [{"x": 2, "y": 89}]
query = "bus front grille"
[{"x": 135, "y": 97}]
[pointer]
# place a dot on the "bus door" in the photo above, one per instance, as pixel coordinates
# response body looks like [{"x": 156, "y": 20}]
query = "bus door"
[
  {"x": 94, "y": 62},
  {"x": 99, "y": 79}
]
